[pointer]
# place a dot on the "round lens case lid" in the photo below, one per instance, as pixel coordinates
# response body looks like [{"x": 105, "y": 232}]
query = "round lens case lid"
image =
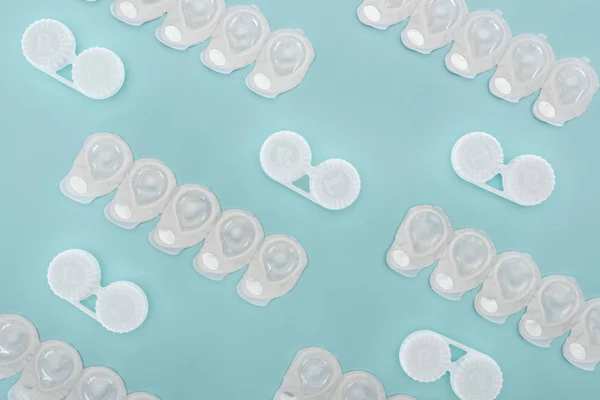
[
  {"x": 98, "y": 73},
  {"x": 48, "y": 45},
  {"x": 19, "y": 340},
  {"x": 285, "y": 157},
  {"x": 477, "y": 157},
  {"x": 425, "y": 356},
  {"x": 96, "y": 383},
  {"x": 74, "y": 275},
  {"x": 122, "y": 307},
  {"x": 476, "y": 377}
]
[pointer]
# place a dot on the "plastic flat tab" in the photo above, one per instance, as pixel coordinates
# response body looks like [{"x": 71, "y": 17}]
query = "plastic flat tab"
[
  {"x": 356, "y": 385},
  {"x": 142, "y": 396},
  {"x": 523, "y": 69},
  {"x": 582, "y": 348},
  {"x": 552, "y": 311},
  {"x": 137, "y": 12},
  {"x": 273, "y": 271},
  {"x": 98, "y": 383},
  {"x": 75, "y": 274},
  {"x": 381, "y": 14},
  {"x": 19, "y": 340}
]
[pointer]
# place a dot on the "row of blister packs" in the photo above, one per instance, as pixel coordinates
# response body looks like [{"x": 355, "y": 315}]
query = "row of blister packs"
[
  {"x": 189, "y": 214},
  {"x": 483, "y": 40},
  {"x": 511, "y": 281},
  {"x": 53, "y": 369}
]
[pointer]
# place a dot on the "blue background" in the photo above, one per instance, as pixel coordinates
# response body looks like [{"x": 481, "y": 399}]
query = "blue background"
[{"x": 393, "y": 113}]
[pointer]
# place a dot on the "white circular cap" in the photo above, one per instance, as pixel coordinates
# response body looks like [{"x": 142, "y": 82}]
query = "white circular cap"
[
  {"x": 459, "y": 61},
  {"x": 547, "y": 109},
  {"x": 335, "y": 184},
  {"x": 261, "y": 81},
  {"x": 415, "y": 37},
  {"x": 444, "y": 281},
  {"x": 98, "y": 73},
  {"x": 78, "y": 185},
  {"x": 217, "y": 57},
  {"x": 48, "y": 44},
  {"x": 166, "y": 236},
  {"x": 425, "y": 356},
  {"x": 121, "y": 307},
  {"x": 503, "y": 85},
  {"x": 533, "y": 328},
  {"x": 253, "y": 287},
  {"x": 173, "y": 34},
  {"x": 128, "y": 10},
  {"x": 477, "y": 377},
  {"x": 489, "y": 305},
  {"x": 529, "y": 179},
  {"x": 122, "y": 210},
  {"x": 142, "y": 396},
  {"x": 74, "y": 275},
  {"x": 210, "y": 261},
  {"x": 372, "y": 13},
  {"x": 285, "y": 156},
  {"x": 477, "y": 157},
  {"x": 401, "y": 258},
  {"x": 577, "y": 351}
]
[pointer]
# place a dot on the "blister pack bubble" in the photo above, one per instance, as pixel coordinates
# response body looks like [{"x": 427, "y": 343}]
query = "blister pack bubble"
[
  {"x": 567, "y": 92},
  {"x": 381, "y": 14},
  {"x": 74, "y": 275},
  {"x": 359, "y": 385},
  {"x": 464, "y": 264},
  {"x": 98, "y": 383},
  {"x": 553, "y": 309},
  {"x": 274, "y": 270},
  {"x": 142, "y": 194},
  {"x": 286, "y": 157},
  {"x": 237, "y": 40},
  {"x": 433, "y": 23},
  {"x": 426, "y": 356},
  {"x": 582, "y": 347},
  {"x": 190, "y": 22},
  {"x": 137, "y": 12},
  {"x": 523, "y": 69},
  {"x": 49, "y": 46},
  {"x": 186, "y": 220},
  {"x": 479, "y": 44},
  {"x": 19, "y": 340},
  {"x": 420, "y": 240},
  {"x": 282, "y": 63},
  {"x": 527, "y": 180}
]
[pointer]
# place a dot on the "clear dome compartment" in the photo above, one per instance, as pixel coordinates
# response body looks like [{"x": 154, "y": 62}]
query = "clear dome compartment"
[
  {"x": 19, "y": 340},
  {"x": 358, "y": 385},
  {"x": 138, "y": 12},
  {"x": 582, "y": 347},
  {"x": 381, "y": 14},
  {"x": 98, "y": 383}
]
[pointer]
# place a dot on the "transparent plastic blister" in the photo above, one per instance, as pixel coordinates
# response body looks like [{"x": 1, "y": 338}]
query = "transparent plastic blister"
[
  {"x": 186, "y": 220},
  {"x": 230, "y": 245},
  {"x": 420, "y": 240},
  {"x": 282, "y": 63},
  {"x": 51, "y": 373},
  {"x": 142, "y": 396},
  {"x": 49, "y": 46},
  {"x": 527, "y": 180},
  {"x": 381, "y": 14},
  {"x": 464, "y": 264},
  {"x": 237, "y": 40},
  {"x": 273, "y": 271},
  {"x": 479, "y": 44},
  {"x": 582, "y": 347},
  {"x": 508, "y": 288},
  {"x": 433, "y": 23},
  {"x": 98, "y": 383},
  {"x": 426, "y": 356},
  {"x": 523, "y": 69},
  {"x": 74, "y": 275},
  {"x": 142, "y": 195},
  {"x": 552, "y": 310},
  {"x": 359, "y": 385},
  {"x": 19, "y": 340},
  {"x": 314, "y": 374},
  {"x": 99, "y": 168},
  {"x": 286, "y": 157},
  {"x": 137, "y": 12},
  {"x": 567, "y": 92},
  {"x": 190, "y": 22}
]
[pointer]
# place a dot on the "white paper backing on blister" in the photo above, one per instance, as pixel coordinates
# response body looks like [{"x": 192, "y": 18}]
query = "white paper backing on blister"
[
  {"x": 381, "y": 14},
  {"x": 19, "y": 340},
  {"x": 98, "y": 383},
  {"x": 137, "y": 12},
  {"x": 582, "y": 347},
  {"x": 359, "y": 384}
]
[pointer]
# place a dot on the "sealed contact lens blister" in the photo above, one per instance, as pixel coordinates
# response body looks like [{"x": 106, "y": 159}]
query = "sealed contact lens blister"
[
  {"x": 230, "y": 245},
  {"x": 553, "y": 309},
  {"x": 142, "y": 396},
  {"x": 420, "y": 240},
  {"x": 98, "y": 383},
  {"x": 237, "y": 40},
  {"x": 382, "y": 14},
  {"x": 286, "y": 157},
  {"x": 464, "y": 264},
  {"x": 51, "y": 373},
  {"x": 523, "y": 69},
  {"x": 49, "y": 46},
  {"x": 19, "y": 340},
  {"x": 282, "y": 64},
  {"x": 567, "y": 92},
  {"x": 142, "y": 194},
  {"x": 186, "y": 220},
  {"x": 425, "y": 356},
  {"x": 190, "y": 22},
  {"x": 359, "y": 385},
  {"x": 273, "y": 271},
  {"x": 433, "y": 23},
  {"x": 479, "y": 44},
  {"x": 582, "y": 347},
  {"x": 137, "y": 12},
  {"x": 74, "y": 275},
  {"x": 508, "y": 287},
  {"x": 527, "y": 180}
]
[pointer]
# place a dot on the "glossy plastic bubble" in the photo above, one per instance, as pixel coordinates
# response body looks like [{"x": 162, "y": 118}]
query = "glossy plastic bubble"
[
  {"x": 19, "y": 340},
  {"x": 121, "y": 307},
  {"x": 137, "y": 12},
  {"x": 582, "y": 347},
  {"x": 359, "y": 385},
  {"x": 48, "y": 45},
  {"x": 98, "y": 73},
  {"x": 381, "y": 14},
  {"x": 476, "y": 377},
  {"x": 98, "y": 383}
]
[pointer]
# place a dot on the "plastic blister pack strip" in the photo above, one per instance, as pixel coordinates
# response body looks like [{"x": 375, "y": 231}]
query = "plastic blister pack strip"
[
  {"x": 137, "y": 12},
  {"x": 582, "y": 347},
  {"x": 19, "y": 340}
]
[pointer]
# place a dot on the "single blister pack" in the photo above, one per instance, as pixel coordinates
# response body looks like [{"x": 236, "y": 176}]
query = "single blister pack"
[
  {"x": 420, "y": 240},
  {"x": 19, "y": 340},
  {"x": 190, "y": 22},
  {"x": 508, "y": 287},
  {"x": 99, "y": 168},
  {"x": 527, "y": 180},
  {"x": 98, "y": 383},
  {"x": 51, "y": 373},
  {"x": 74, "y": 275},
  {"x": 567, "y": 92},
  {"x": 582, "y": 347},
  {"x": 552, "y": 310},
  {"x": 359, "y": 385},
  {"x": 230, "y": 245},
  {"x": 313, "y": 375},
  {"x": 479, "y": 44},
  {"x": 464, "y": 264},
  {"x": 523, "y": 69},
  {"x": 237, "y": 39},
  {"x": 433, "y": 23},
  {"x": 142, "y": 195},
  {"x": 186, "y": 220},
  {"x": 381, "y": 14},
  {"x": 49, "y": 46},
  {"x": 282, "y": 64},
  {"x": 142, "y": 396},
  {"x": 426, "y": 356},
  {"x": 274, "y": 270},
  {"x": 137, "y": 12}
]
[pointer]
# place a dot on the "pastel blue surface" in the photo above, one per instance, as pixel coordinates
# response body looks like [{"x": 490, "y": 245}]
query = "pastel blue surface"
[{"x": 393, "y": 113}]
